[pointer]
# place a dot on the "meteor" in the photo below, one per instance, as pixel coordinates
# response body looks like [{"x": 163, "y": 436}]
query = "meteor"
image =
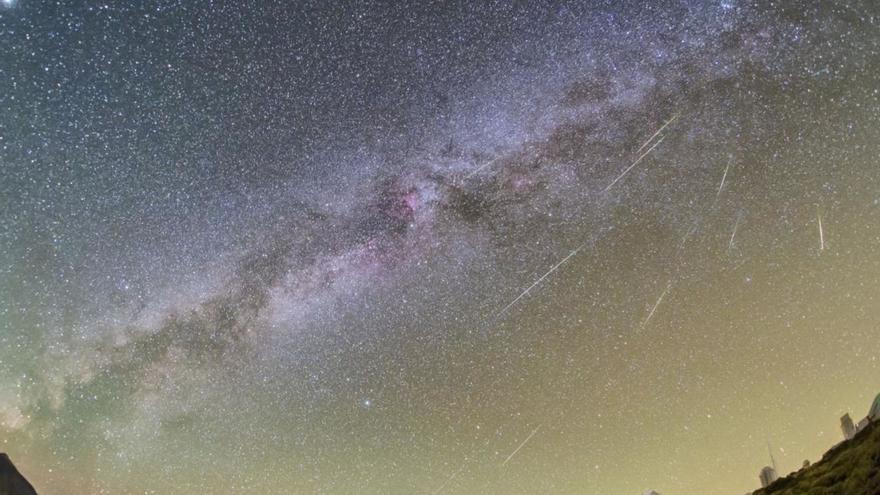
[
  {"x": 481, "y": 167},
  {"x": 656, "y": 305},
  {"x": 521, "y": 445},
  {"x": 643, "y": 155},
  {"x": 733, "y": 235},
  {"x": 658, "y": 132},
  {"x": 448, "y": 480},
  {"x": 541, "y": 279},
  {"x": 687, "y": 235},
  {"x": 723, "y": 178}
]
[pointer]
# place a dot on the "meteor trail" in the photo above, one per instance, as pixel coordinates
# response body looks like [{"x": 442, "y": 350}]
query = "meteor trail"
[
  {"x": 821, "y": 233},
  {"x": 658, "y": 132},
  {"x": 481, "y": 167},
  {"x": 448, "y": 480},
  {"x": 656, "y": 305},
  {"x": 549, "y": 272},
  {"x": 521, "y": 445},
  {"x": 687, "y": 235},
  {"x": 733, "y": 235},
  {"x": 643, "y": 155},
  {"x": 723, "y": 178}
]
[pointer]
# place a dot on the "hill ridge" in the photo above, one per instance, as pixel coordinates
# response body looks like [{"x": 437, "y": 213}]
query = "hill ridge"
[{"x": 851, "y": 467}]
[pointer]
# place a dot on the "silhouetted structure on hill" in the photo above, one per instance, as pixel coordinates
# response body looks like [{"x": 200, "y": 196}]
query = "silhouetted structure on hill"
[
  {"x": 850, "y": 430},
  {"x": 768, "y": 475},
  {"x": 847, "y": 426}
]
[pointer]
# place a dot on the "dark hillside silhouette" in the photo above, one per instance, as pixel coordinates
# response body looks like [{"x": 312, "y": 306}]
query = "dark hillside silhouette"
[
  {"x": 11, "y": 481},
  {"x": 849, "y": 468}
]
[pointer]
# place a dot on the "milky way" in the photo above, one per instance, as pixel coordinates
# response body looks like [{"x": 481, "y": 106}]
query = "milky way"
[{"x": 434, "y": 248}]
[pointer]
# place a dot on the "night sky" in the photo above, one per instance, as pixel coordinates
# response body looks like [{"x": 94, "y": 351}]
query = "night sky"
[{"x": 435, "y": 247}]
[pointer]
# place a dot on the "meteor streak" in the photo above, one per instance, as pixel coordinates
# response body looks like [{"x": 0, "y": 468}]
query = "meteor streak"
[
  {"x": 687, "y": 235},
  {"x": 643, "y": 155},
  {"x": 521, "y": 445},
  {"x": 658, "y": 132},
  {"x": 448, "y": 480},
  {"x": 723, "y": 178},
  {"x": 656, "y": 305},
  {"x": 541, "y": 279},
  {"x": 481, "y": 167},
  {"x": 733, "y": 235}
]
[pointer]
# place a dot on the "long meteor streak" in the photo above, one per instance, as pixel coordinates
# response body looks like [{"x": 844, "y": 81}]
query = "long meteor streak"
[
  {"x": 821, "y": 233},
  {"x": 656, "y": 305},
  {"x": 687, "y": 235},
  {"x": 643, "y": 155},
  {"x": 448, "y": 480},
  {"x": 658, "y": 132},
  {"x": 723, "y": 178},
  {"x": 733, "y": 235},
  {"x": 481, "y": 167},
  {"x": 521, "y": 445},
  {"x": 541, "y": 279}
]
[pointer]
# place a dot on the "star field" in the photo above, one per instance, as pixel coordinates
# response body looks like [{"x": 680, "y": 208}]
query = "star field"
[{"x": 434, "y": 247}]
